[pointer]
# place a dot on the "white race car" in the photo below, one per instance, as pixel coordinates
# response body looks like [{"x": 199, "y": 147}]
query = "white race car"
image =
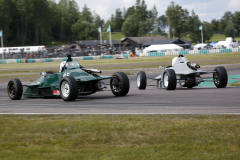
[{"x": 183, "y": 73}]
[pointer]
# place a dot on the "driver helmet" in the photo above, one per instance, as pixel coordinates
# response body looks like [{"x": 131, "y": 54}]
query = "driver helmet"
[{"x": 62, "y": 65}]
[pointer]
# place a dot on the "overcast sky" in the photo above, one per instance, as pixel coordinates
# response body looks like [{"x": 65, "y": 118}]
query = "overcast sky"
[{"x": 205, "y": 9}]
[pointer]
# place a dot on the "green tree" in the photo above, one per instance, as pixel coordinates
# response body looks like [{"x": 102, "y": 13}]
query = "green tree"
[
  {"x": 193, "y": 28},
  {"x": 162, "y": 24},
  {"x": 118, "y": 20},
  {"x": 225, "y": 20},
  {"x": 86, "y": 14},
  {"x": 68, "y": 9},
  {"x": 215, "y": 25},
  {"x": 130, "y": 11},
  {"x": 230, "y": 31},
  {"x": 127, "y": 28},
  {"x": 236, "y": 21},
  {"x": 97, "y": 20},
  {"x": 152, "y": 21},
  {"x": 5, "y": 19},
  {"x": 84, "y": 30},
  {"x": 177, "y": 20},
  {"x": 207, "y": 31}
]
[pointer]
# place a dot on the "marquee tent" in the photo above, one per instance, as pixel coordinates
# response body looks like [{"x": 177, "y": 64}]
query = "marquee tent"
[{"x": 162, "y": 48}]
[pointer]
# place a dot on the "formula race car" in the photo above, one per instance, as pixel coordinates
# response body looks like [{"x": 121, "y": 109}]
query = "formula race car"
[
  {"x": 183, "y": 73},
  {"x": 71, "y": 81}
]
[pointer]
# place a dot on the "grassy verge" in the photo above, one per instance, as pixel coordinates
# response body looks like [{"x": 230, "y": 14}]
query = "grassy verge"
[
  {"x": 121, "y": 137},
  {"x": 226, "y": 58},
  {"x": 235, "y": 84},
  {"x": 220, "y": 37},
  {"x": 32, "y": 70}
]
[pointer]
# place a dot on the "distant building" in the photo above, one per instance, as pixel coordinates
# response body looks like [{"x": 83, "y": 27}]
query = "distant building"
[
  {"x": 180, "y": 42},
  {"x": 132, "y": 43},
  {"x": 95, "y": 43},
  {"x": 142, "y": 42}
]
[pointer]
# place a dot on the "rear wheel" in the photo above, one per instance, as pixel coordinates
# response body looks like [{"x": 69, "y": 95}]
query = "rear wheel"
[
  {"x": 15, "y": 89},
  {"x": 141, "y": 80},
  {"x": 119, "y": 84},
  {"x": 220, "y": 77},
  {"x": 68, "y": 88},
  {"x": 169, "y": 79}
]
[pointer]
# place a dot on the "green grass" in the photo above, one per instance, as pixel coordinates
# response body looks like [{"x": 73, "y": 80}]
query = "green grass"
[
  {"x": 118, "y": 36},
  {"x": 20, "y": 76},
  {"x": 220, "y": 37},
  {"x": 104, "y": 137},
  {"x": 209, "y": 58},
  {"x": 235, "y": 84},
  {"x": 111, "y": 64}
]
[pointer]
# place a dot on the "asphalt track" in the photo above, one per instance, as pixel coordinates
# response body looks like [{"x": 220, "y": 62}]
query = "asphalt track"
[{"x": 201, "y": 100}]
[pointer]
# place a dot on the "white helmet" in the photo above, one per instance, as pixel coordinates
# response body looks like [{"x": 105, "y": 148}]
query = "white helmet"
[{"x": 62, "y": 65}]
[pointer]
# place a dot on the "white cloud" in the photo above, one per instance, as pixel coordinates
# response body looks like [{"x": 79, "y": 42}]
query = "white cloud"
[
  {"x": 205, "y": 9},
  {"x": 234, "y": 5}
]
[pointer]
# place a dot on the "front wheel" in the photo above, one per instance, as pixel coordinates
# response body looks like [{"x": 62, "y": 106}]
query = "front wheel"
[
  {"x": 220, "y": 77},
  {"x": 141, "y": 80},
  {"x": 169, "y": 79},
  {"x": 119, "y": 84},
  {"x": 15, "y": 89},
  {"x": 68, "y": 88}
]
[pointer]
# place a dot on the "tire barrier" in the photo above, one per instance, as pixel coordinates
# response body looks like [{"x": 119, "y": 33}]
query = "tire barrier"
[
  {"x": 30, "y": 61},
  {"x": 126, "y": 55},
  {"x": 20, "y": 60},
  {"x": 225, "y": 50},
  {"x": 184, "y": 52},
  {"x": 107, "y": 57},
  {"x": 169, "y": 53},
  {"x": 203, "y": 51},
  {"x": 48, "y": 60},
  {"x": 88, "y": 58},
  {"x": 2, "y": 61},
  {"x": 156, "y": 54}
]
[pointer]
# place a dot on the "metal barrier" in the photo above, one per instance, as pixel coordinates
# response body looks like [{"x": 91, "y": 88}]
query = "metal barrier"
[
  {"x": 2, "y": 61},
  {"x": 186, "y": 52},
  {"x": 169, "y": 53}
]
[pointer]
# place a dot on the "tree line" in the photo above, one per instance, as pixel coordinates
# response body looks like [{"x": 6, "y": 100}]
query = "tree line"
[{"x": 31, "y": 22}]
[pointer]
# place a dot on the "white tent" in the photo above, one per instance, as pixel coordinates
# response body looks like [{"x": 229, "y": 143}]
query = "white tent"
[
  {"x": 200, "y": 46},
  {"x": 1, "y": 50},
  {"x": 162, "y": 48},
  {"x": 227, "y": 44}
]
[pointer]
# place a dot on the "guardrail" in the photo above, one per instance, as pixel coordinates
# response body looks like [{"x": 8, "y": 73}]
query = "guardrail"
[
  {"x": 151, "y": 54},
  {"x": 186, "y": 52},
  {"x": 61, "y": 59}
]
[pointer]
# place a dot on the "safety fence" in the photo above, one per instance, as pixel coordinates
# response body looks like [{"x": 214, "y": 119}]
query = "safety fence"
[
  {"x": 150, "y": 54},
  {"x": 187, "y": 52},
  {"x": 62, "y": 59}
]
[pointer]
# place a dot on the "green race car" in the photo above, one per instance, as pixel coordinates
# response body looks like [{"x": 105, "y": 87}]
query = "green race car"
[{"x": 71, "y": 81}]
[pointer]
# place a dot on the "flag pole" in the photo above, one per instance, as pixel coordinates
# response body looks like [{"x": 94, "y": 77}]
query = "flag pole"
[
  {"x": 110, "y": 37},
  {"x": 1, "y": 38},
  {"x": 101, "y": 38},
  {"x": 100, "y": 31}
]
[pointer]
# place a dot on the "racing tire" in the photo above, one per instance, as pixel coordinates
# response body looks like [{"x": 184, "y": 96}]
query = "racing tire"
[
  {"x": 141, "y": 80},
  {"x": 220, "y": 77},
  {"x": 169, "y": 79},
  {"x": 15, "y": 89},
  {"x": 119, "y": 84},
  {"x": 68, "y": 88}
]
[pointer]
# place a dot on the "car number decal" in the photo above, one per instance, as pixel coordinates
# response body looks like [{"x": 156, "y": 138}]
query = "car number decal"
[
  {"x": 56, "y": 92},
  {"x": 66, "y": 74}
]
